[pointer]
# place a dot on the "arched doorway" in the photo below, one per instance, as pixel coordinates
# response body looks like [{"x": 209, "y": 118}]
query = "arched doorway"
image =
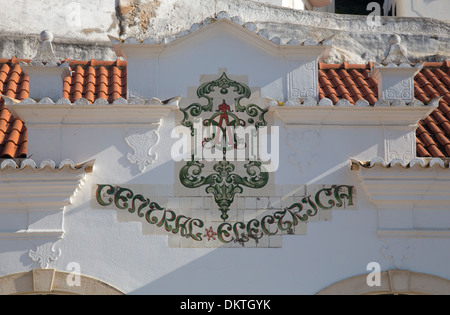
[{"x": 51, "y": 281}]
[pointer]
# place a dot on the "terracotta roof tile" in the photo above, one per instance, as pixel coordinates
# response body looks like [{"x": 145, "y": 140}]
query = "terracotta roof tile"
[
  {"x": 353, "y": 82},
  {"x": 14, "y": 136},
  {"x": 5, "y": 115},
  {"x": 13, "y": 83},
  {"x": 421, "y": 151},
  {"x": 95, "y": 79},
  {"x": 434, "y": 131},
  {"x": 446, "y": 127}
]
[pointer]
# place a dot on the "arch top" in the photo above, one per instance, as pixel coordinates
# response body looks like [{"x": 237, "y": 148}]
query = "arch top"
[
  {"x": 392, "y": 282},
  {"x": 51, "y": 281}
]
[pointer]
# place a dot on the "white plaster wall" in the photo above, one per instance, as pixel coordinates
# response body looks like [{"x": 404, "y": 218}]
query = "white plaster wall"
[
  {"x": 168, "y": 73},
  {"x": 78, "y": 19},
  {"x": 329, "y": 252},
  {"x": 293, "y": 4}
]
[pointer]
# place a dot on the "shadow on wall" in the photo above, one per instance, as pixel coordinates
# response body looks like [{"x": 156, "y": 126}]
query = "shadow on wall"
[{"x": 304, "y": 265}]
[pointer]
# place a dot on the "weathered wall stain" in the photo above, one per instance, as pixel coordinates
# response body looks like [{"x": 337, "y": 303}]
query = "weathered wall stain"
[{"x": 132, "y": 13}]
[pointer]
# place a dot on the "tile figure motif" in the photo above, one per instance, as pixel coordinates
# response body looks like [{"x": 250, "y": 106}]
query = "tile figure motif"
[{"x": 223, "y": 115}]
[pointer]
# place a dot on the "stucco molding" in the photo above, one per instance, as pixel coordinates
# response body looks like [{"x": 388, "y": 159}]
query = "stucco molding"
[
  {"x": 396, "y": 81},
  {"x": 142, "y": 141},
  {"x": 51, "y": 281},
  {"x": 45, "y": 254},
  {"x": 419, "y": 184},
  {"x": 392, "y": 282},
  {"x": 62, "y": 114},
  {"x": 400, "y": 145},
  {"x": 384, "y": 113}
]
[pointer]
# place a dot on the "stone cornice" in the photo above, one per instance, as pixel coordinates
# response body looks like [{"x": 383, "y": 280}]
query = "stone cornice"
[
  {"x": 246, "y": 31},
  {"x": 416, "y": 163},
  {"x": 100, "y": 114},
  {"x": 384, "y": 113},
  {"x": 411, "y": 197},
  {"x": 32, "y": 197}
]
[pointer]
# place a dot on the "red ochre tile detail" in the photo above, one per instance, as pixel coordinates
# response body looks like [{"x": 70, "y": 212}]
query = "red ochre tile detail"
[{"x": 96, "y": 79}]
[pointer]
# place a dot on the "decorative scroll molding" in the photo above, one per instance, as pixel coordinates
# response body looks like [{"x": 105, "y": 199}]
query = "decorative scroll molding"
[
  {"x": 46, "y": 164},
  {"x": 99, "y": 101},
  {"x": 397, "y": 251},
  {"x": 98, "y": 116}
]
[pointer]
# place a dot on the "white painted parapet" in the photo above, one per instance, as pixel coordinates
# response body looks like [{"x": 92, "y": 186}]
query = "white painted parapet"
[
  {"x": 285, "y": 68},
  {"x": 46, "y": 73}
]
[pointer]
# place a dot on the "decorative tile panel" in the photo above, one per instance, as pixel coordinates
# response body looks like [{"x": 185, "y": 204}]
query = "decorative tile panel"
[
  {"x": 224, "y": 118},
  {"x": 252, "y": 221}
]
